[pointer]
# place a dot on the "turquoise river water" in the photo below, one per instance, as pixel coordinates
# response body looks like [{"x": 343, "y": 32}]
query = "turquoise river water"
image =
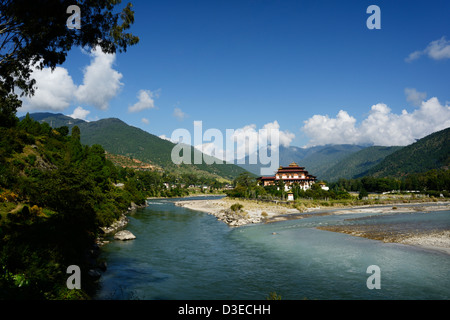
[{"x": 181, "y": 254}]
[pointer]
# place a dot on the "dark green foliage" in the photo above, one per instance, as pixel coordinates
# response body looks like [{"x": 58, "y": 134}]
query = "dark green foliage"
[
  {"x": 63, "y": 131},
  {"x": 74, "y": 183},
  {"x": 317, "y": 193},
  {"x": 58, "y": 174},
  {"x": 246, "y": 187},
  {"x": 9, "y": 103},
  {"x": 236, "y": 207},
  {"x": 427, "y": 182},
  {"x": 363, "y": 194}
]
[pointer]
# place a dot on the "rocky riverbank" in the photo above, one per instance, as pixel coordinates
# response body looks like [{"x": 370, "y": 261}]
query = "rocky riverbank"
[
  {"x": 257, "y": 212},
  {"x": 251, "y": 211},
  {"x": 118, "y": 224},
  {"x": 254, "y": 211},
  {"x": 97, "y": 267},
  {"x": 433, "y": 239}
]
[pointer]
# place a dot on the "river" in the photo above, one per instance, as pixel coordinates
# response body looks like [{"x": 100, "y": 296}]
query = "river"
[{"x": 181, "y": 254}]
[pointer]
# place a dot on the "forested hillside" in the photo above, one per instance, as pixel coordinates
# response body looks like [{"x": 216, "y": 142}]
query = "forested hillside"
[
  {"x": 117, "y": 137},
  {"x": 357, "y": 164},
  {"x": 430, "y": 152},
  {"x": 55, "y": 193}
]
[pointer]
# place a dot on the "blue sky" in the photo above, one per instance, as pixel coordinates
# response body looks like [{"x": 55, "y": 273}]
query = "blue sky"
[{"x": 312, "y": 66}]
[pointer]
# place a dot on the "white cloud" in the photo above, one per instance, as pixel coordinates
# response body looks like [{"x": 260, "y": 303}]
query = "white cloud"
[
  {"x": 285, "y": 137},
  {"x": 145, "y": 120},
  {"x": 414, "y": 96},
  {"x": 212, "y": 149},
  {"x": 381, "y": 127},
  {"x": 80, "y": 113},
  {"x": 179, "y": 114},
  {"x": 145, "y": 101},
  {"x": 414, "y": 56},
  {"x": 163, "y": 136},
  {"x": 101, "y": 82},
  {"x": 54, "y": 90},
  {"x": 324, "y": 130},
  {"x": 437, "y": 50}
]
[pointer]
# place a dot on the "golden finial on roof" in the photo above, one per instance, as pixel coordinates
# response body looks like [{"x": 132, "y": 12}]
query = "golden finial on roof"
[{"x": 293, "y": 164}]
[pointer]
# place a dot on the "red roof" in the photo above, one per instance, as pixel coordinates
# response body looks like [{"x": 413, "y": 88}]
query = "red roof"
[
  {"x": 305, "y": 178},
  {"x": 266, "y": 178},
  {"x": 292, "y": 168}
]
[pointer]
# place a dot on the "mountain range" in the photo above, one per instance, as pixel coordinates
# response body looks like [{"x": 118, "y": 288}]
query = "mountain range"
[
  {"x": 329, "y": 162},
  {"x": 117, "y": 137},
  {"x": 332, "y": 162}
]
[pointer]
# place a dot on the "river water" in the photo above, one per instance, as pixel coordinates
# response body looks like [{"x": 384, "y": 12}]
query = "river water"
[{"x": 183, "y": 254}]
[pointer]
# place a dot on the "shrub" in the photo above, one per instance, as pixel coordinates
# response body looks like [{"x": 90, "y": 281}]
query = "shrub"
[
  {"x": 8, "y": 196},
  {"x": 273, "y": 296},
  {"x": 236, "y": 207},
  {"x": 31, "y": 159},
  {"x": 37, "y": 211},
  {"x": 300, "y": 207}
]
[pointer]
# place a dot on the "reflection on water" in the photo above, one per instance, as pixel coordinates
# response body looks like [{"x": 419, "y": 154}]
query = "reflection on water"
[{"x": 184, "y": 254}]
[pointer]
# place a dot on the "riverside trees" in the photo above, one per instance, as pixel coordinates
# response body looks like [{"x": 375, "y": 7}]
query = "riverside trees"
[
  {"x": 66, "y": 185},
  {"x": 57, "y": 193},
  {"x": 247, "y": 187},
  {"x": 433, "y": 182}
]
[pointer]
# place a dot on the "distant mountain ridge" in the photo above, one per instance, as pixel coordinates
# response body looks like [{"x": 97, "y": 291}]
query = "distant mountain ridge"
[
  {"x": 329, "y": 162},
  {"x": 316, "y": 160},
  {"x": 358, "y": 163},
  {"x": 430, "y": 152},
  {"x": 117, "y": 137}
]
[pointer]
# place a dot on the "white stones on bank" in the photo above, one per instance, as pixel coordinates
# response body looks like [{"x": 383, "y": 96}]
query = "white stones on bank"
[
  {"x": 120, "y": 223},
  {"x": 237, "y": 218},
  {"x": 124, "y": 235}
]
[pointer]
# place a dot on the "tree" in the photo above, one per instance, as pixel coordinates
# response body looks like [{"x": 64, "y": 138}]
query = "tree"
[
  {"x": 63, "y": 131},
  {"x": 9, "y": 103},
  {"x": 76, "y": 133},
  {"x": 75, "y": 149},
  {"x": 245, "y": 180},
  {"x": 363, "y": 194},
  {"x": 34, "y": 33}
]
